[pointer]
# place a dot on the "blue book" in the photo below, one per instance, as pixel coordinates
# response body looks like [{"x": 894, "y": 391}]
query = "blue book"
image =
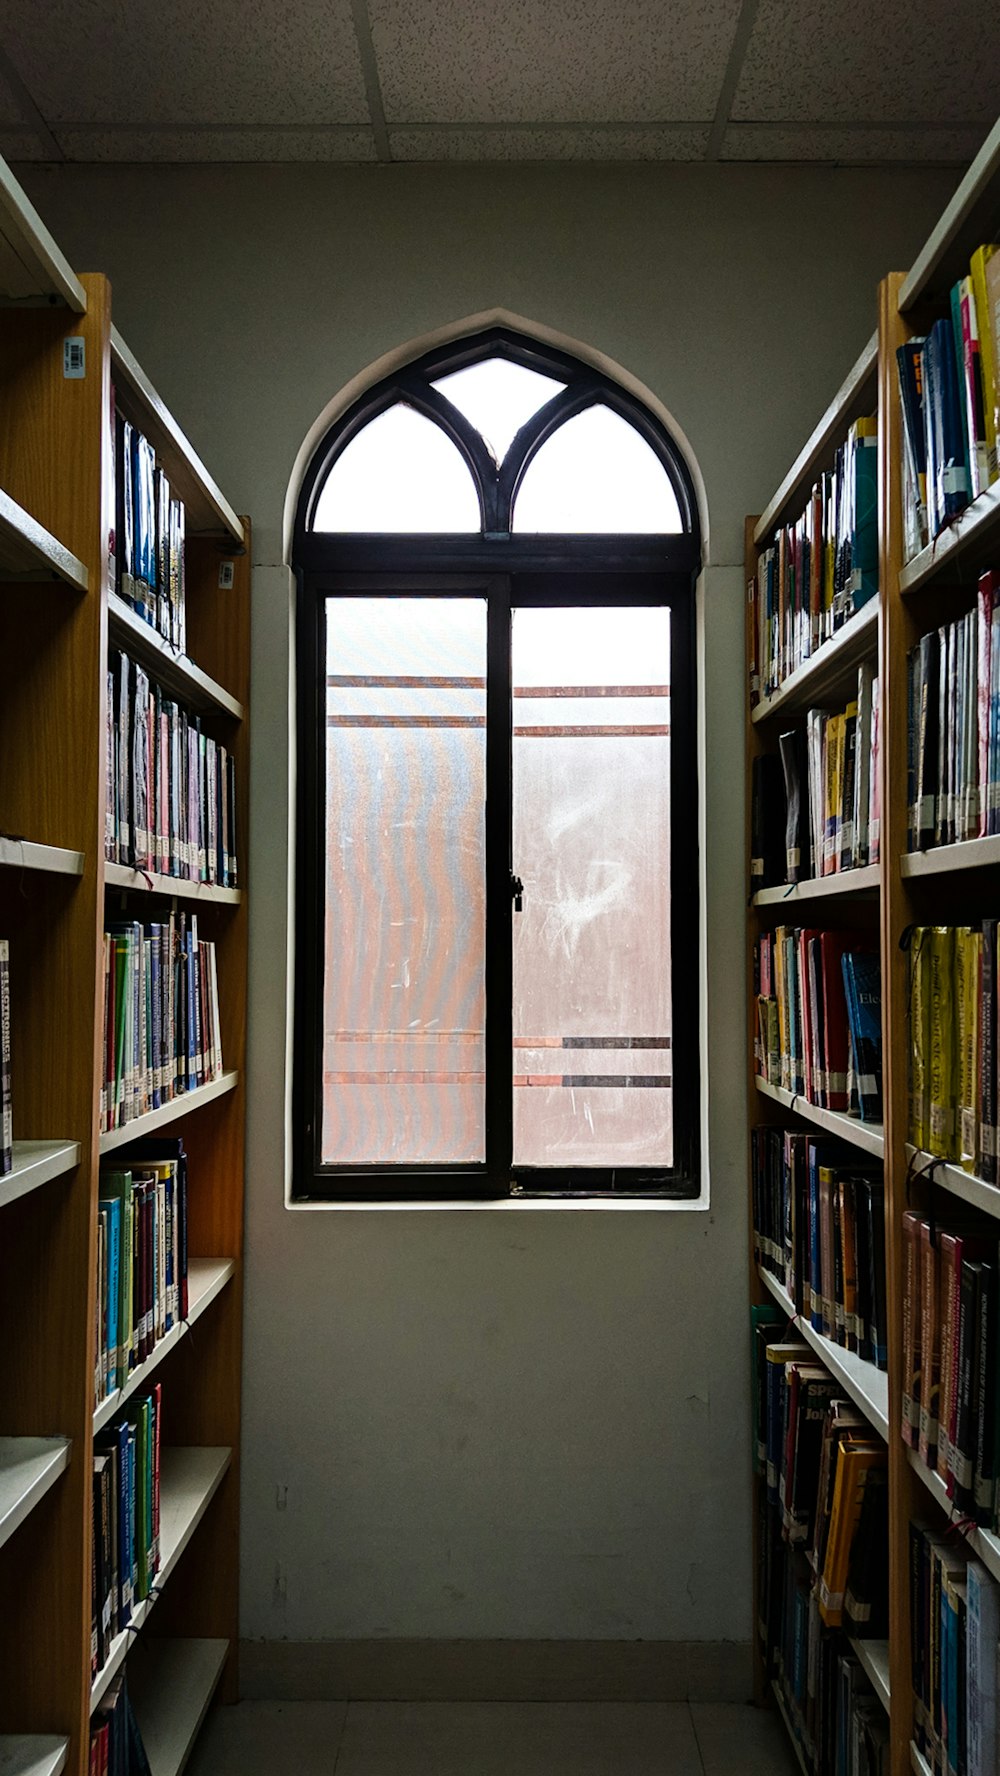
[
  {"x": 111, "y": 1206},
  {"x": 863, "y": 992},
  {"x": 951, "y": 476}
]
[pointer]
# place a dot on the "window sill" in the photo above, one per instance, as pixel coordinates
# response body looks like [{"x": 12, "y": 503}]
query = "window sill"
[{"x": 518, "y": 1205}]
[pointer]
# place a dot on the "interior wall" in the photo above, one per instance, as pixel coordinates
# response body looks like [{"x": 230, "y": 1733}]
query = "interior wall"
[{"x": 486, "y": 1424}]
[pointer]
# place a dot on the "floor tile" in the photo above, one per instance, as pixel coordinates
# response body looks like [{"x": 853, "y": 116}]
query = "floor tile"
[
  {"x": 518, "y": 1739},
  {"x": 737, "y": 1740},
  {"x": 269, "y": 1739}
]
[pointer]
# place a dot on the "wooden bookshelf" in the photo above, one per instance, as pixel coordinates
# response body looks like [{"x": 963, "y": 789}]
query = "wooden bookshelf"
[
  {"x": 171, "y": 1691},
  {"x": 58, "y": 616},
  {"x": 950, "y": 885},
  {"x": 868, "y": 1136},
  {"x": 828, "y": 672},
  {"x": 867, "y": 1386},
  {"x": 856, "y": 881}
]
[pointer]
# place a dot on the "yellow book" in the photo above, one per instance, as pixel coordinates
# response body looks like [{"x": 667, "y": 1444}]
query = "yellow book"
[
  {"x": 919, "y": 997},
  {"x": 987, "y": 357},
  {"x": 970, "y": 947},
  {"x": 854, "y": 1463},
  {"x": 941, "y": 1063},
  {"x": 779, "y": 989},
  {"x": 834, "y": 756}
]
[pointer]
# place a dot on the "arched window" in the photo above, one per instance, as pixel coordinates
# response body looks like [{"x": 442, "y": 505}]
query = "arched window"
[{"x": 497, "y": 916}]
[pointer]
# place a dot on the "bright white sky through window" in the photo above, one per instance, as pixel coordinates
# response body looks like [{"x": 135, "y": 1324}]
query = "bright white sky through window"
[{"x": 402, "y": 474}]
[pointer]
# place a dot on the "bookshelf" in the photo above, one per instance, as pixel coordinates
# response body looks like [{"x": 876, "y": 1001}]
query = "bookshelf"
[
  {"x": 954, "y": 884},
  {"x": 58, "y": 617}
]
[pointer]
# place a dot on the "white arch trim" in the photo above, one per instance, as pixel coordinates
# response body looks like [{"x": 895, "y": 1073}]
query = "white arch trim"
[{"x": 396, "y": 359}]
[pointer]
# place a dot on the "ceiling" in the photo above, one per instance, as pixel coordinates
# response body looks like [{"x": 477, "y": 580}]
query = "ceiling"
[{"x": 830, "y": 81}]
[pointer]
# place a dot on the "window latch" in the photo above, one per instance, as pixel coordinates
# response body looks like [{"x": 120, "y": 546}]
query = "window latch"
[{"x": 517, "y": 890}]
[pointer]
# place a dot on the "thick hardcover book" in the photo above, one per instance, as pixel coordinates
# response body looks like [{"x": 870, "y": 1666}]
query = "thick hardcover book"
[
  {"x": 863, "y": 992},
  {"x": 767, "y": 823},
  {"x": 951, "y": 475},
  {"x": 983, "y": 1632},
  {"x": 909, "y": 361}
]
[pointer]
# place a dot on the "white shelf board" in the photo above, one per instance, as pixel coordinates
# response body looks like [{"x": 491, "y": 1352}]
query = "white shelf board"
[
  {"x": 28, "y": 1467},
  {"x": 26, "y": 854},
  {"x": 945, "y": 859},
  {"x": 965, "y": 223},
  {"x": 965, "y": 546},
  {"x": 120, "y": 875},
  {"x": 32, "y": 1754},
  {"x": 157, "y": 1119},
  {"x": 873, "y": 1656},
  {"x": 30, "y": 262},
  {"x": 790, "y": 1730},
  {"x": 982, "y": 1542},
  {"x": 189, "y": 1479},
  {"x": 26, "y": 547},
  {"x": 959, "y": 1182},
  {"x": 175, "y": 671},
  {"x": 205, "y": 507},
  {"x": 829, "y": 670},
  {"x": 37, "y": 1163},
  {"x": 856, "y": 397},
  {"x": 207, "y": 1277},
  {"x": 854, "y": 881},
  {"x": 867, "y": 1386},
  {"x": 867, "y": 1135},
  {"x": 171, "y": 1688},
  {"x": 919, "y": 1762}
]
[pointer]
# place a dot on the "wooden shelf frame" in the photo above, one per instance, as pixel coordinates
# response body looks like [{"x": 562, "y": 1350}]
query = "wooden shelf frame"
[
  {"x": 168, "y": 1113},
  {"x": 207, "y": 1277},
  {"x": 28, "y": 1467},
  {"x": 30, "y": 262},
  {"x": 867, "y": 1386},
  {"x": 867, "y": 880},
  {"x": 189, "y": 1480},
  {"x": 829, "y": 672},
  {"x": 27, "y": 548},
  {"x": 176, "y": 672}
]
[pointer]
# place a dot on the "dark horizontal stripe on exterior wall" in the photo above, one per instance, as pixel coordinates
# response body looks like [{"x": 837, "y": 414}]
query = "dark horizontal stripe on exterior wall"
[
  {"x": 440, "y": 682},
  {"x": 591, "y": 1041},
  {"x": 656, "y": 1081},
  {"x": 406, "y": 721},
  {"x": 591, "y": 691},
  {"x": 622, "y": 731},
  {"x": 576, "y": 1081}
]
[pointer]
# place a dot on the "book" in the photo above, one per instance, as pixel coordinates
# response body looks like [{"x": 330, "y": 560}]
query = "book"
[{"x": 6, "y": 1104}]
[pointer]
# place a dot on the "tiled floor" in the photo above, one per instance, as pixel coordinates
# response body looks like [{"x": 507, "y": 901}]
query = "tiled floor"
[{"x": 492, "y": 1739}]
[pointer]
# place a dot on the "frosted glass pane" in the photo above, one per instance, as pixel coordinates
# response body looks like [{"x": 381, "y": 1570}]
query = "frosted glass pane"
[
  {"x": 403, "y": 989},
  {"x": 596, "y": 474},
  {"x": 400, "y": 473},
  {"x": 591, "y": 843},
  {"x": 498, "y": 397}
]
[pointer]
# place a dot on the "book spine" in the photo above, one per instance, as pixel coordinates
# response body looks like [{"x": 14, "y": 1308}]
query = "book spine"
[{"x": 6, "y": 1103}]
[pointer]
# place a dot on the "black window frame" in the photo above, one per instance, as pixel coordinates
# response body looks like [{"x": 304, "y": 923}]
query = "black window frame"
[{"x": 510, "y": 571}]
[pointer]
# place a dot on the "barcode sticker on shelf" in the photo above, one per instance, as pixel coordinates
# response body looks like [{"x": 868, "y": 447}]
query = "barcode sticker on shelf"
[
  {"x": 226, "y": 572},
  {"x": 74, "y": 356}
]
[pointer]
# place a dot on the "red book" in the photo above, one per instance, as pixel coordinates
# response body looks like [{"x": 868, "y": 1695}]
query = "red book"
[{"x": 835, "y": 1041}]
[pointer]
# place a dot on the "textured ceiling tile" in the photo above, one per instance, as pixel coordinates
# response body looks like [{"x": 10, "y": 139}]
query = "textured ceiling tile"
[
  {"x": 436, "y": 143},
  {"x": 228, "y": 63},
  {"x": 214, "y": 145},
  {"x": 947, "y": 146},
  {"x": 565, "y": 61},
  {"x": 18, "y": 145},
  {"x": 872, "y": 61},
  {"x": 11, "y": 114}
]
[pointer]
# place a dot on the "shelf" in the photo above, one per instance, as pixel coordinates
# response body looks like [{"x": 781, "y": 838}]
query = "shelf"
[
  {"x": 968, "y": 220},
  {"x": 205, "y": 507},
  {"x": 30, "y": 262},
  {"x": 867, "y": 1386},
  {"x": 968, "y": 545},
  {"x": 32, "y": 1754},
  {"x": 155, "y": 1119},
  {"x": 783, "y": 1710},
  {"x": 28, "y": 1467},
  {"x": 120, "y": 875},
  {"x": 207, "y": 1277},
  {"x": 856, "y": 397},
  {"x": 189, "y": 1479},
  {"x": 919, "y": 1762},
  {"x": 873, "y": 1656},
  {"x": 954, "y": 1178},
  {"x": 867, "y": 1135},
  {"x": 54, "y": 859},
  {"x": 982, "y": 1542},
  {"x": 943, "y": 860},
  {"x": 174, "y": 671},
  {"x": 36, "y": 1163},
  {"x": 827, "y": 672},
  {"x": 171, "y": 1688},
  {"x": 855, "y": 881},
  {"x": 26, "y": 547}
]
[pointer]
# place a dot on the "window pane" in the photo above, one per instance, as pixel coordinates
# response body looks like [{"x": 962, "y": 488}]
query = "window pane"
[
  {"x": 591, "y": 843},
  {"x": 595, "y": 474},
  {"x": 497, "y": 397},
  {"x": 401, "y": 473},
  {"x": 403, "y": 993}
]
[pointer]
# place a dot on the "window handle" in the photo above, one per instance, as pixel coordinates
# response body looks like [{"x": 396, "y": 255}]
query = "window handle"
[{"x": 517, "y": 890}]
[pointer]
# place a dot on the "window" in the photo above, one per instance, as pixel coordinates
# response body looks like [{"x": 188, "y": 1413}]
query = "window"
[{"x": 497, "y": 924}]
